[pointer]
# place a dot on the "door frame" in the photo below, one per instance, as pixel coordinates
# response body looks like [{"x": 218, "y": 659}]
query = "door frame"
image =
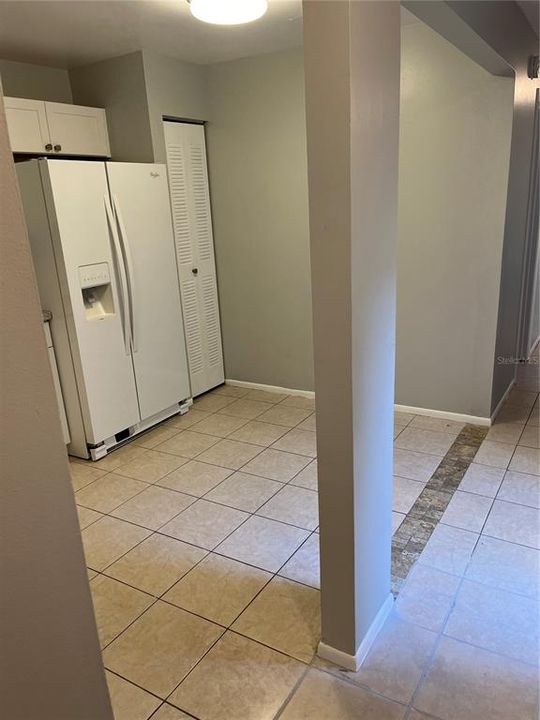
[{"x": 525, "y": 344}]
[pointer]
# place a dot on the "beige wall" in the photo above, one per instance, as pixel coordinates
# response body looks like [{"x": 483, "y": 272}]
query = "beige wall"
[
  {"x": 258, "y": 178},
  {"x": 176, "y": 89},
  {"x": 50, "y": 662},
  {"x": 455, "y": 129},
  {"x": 37, "y": 82},
  {"x": 119, "y": 86}
]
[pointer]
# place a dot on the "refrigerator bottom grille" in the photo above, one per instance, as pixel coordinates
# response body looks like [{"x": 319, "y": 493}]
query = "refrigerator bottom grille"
[{"x": 122, "y": 435}]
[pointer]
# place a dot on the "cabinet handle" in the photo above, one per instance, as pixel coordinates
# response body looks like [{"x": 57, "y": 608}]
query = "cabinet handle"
[
  {"x": 195, "y": 271},
  {"x": 57, "y": 148},
  {"x": 48, "y": 147}
]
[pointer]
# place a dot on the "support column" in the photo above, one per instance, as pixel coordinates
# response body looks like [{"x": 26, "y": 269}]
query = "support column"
[{"x": 352, "y": 59}]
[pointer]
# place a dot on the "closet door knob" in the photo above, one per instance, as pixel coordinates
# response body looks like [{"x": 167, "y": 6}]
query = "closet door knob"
[
  {"x": 57, "y": 148},
  {"x": 195, "y": 271},
  {"x": 48, "y": 146}
]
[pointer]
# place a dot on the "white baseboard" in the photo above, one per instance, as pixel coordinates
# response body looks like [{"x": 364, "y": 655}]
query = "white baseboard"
[
  {"x": 457, "y": 417},
  {"x": 353, "y": 662},
  {"x": 270, "y": 388},
  {"x": 502, "y": 401}
]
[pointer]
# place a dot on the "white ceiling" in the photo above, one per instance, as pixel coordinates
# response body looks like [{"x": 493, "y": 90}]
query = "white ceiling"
[{"x": 67, "y": 33}]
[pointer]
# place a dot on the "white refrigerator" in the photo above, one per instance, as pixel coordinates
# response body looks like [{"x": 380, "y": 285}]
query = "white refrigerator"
[{"x": 103, "y": 249}]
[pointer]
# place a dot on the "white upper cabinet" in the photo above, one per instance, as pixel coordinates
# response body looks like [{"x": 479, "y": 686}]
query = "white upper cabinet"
[
  {"x": 27, "y": 125},
  {"x": 39, "y": 127},
  {"x": 77, "y": 130}
]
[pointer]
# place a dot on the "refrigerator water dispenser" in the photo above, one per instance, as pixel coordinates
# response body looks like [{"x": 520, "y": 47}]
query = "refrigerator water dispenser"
[{"x": 95, "y": 281}]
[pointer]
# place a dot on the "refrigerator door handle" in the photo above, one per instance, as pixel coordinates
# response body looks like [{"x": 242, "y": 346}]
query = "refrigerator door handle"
[
  {"x": 124, "y": 297},
  {"x": 129, "y": 267}
]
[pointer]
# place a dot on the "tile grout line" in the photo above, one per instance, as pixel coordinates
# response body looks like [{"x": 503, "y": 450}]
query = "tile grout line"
[
  {"x": 164, "y": 704},
  {"x": 340, "y": 674},
  {"x": 516, "y": 445},
  {"x": 225, "y": 628},
  {"x": 262, "y": 448},
  {"x": 441, "y": 634},
  {"x": 410, "y": 711},
  {"x": 229, "y": 628},
  {"x": 158, "y": 598},
  {"x": 444, "y": 624},
  {"x": 198, "y": 547},
  {"x": 154, "y": 531},
  {"x": 219, "y": 438},
  {"x": 164, "y": 424},
  {"x": 244, "y": 637},
  {"x": 291, "y": 694},
  {"x": 149, "y": 692},
  {"x": 207, "y": 492},
  {"x": 195, "y": 497},
  {"x": 203, "y": 496},
  {"x": 250, "y": 514}
]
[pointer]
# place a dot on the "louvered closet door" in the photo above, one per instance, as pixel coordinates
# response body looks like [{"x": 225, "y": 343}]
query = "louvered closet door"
[{"x": 192, "y": 220}]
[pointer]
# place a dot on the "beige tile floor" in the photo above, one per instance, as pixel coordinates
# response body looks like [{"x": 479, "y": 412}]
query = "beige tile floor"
[{"x": 202, "y": 547}]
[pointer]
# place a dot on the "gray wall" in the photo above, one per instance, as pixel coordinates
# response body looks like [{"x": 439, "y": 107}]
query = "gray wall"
[
  {"x": 50, "y": 661},
  {"x": 258, "y": 176},
  {"x": 454, "y": 114},
  {"x": 118, "y": 85},
  {"x": 515, "y": 44},
  {"x": 256, "y": 149},
  {"x": 176, "y": 89},
  {"x": 504, "y": 28},
  {"x": 455, "y": 130},
  {"x": 37, "y": 82}
]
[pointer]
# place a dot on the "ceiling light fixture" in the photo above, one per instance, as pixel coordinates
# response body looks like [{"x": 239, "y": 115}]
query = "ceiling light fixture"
[{"x": 228, "y": 12}]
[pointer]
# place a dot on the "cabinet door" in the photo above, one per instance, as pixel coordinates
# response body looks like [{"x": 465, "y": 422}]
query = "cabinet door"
[
  {"x": 77, "y": 130},
  {"x": 27, "y": 125},
  {"x": 192, "y": 222}
]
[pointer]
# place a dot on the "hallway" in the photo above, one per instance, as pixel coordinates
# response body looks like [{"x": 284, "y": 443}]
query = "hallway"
[{"x": 202, "y": 547}]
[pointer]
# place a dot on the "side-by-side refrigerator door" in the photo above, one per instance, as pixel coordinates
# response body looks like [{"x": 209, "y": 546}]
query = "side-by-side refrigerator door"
[
  {"x": 140, "y": 197},
  {"x": 93, "y": 286}
]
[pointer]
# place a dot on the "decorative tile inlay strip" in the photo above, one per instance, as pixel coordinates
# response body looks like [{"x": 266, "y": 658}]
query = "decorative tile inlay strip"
[{"x": 414, "y": 532}]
